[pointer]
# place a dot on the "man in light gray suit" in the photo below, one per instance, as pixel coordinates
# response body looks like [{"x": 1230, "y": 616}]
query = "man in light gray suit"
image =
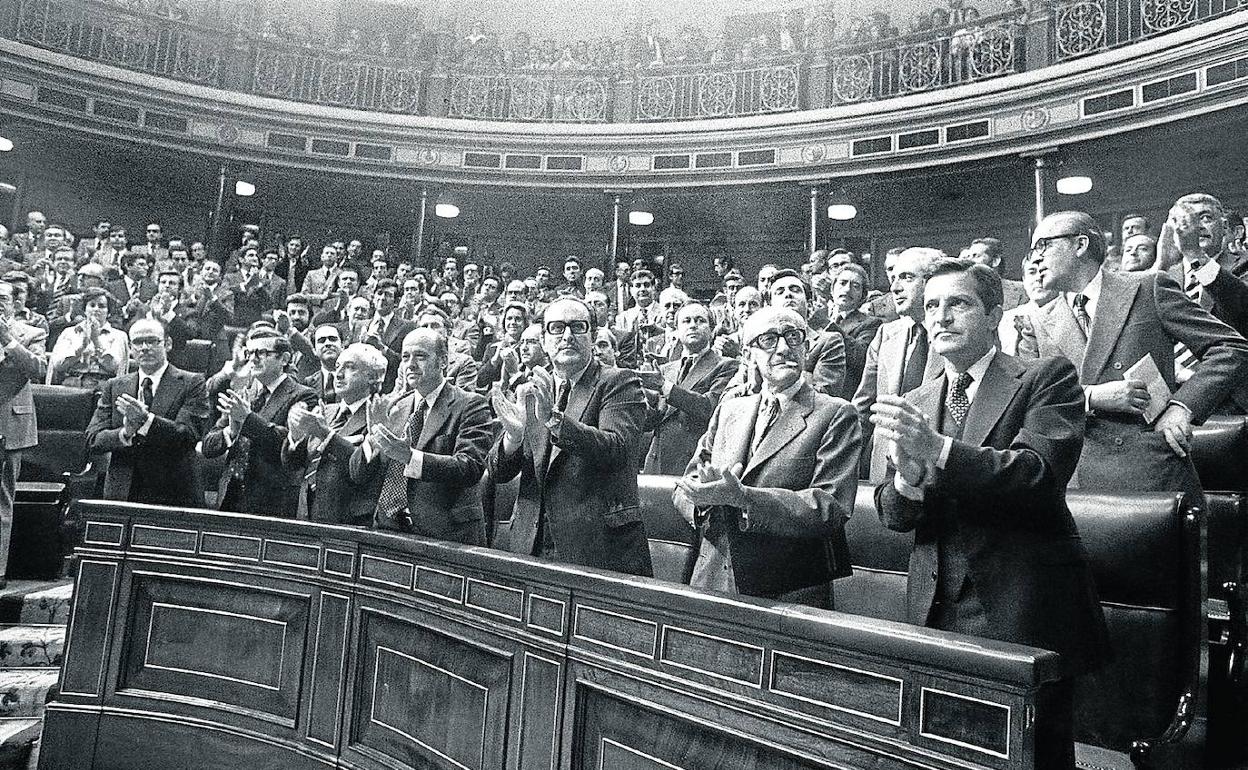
[
  {"x": 23, "y": 359},
  {"x": 898, "y": 360}
]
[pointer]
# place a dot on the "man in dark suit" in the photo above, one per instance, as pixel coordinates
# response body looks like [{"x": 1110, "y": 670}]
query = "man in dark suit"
[
  {"x": 849, "y": 287},
  {"x": 572, "y": 439},
  {"x": 321, "y": 441},
  {"x": 149, "y": 421},
  {"x": 426, "y": 451},
  {"x": 687, "y": 391},
  {"x": 990, "y": 252},
  {"x": 387, "y": 330},
  {"x": 825, "y": 349},
  {"x": 1191, "y": 249},
  {"x": 327, "y": 344},
  {"x": 1106, "y": 323},
  {"x": 135, "y": 289},
  {"x": 23, "y": 360},
  {"x": 774, "y": 477},
  {"x": 899, "y": 358},
  {"x": 254, "y": 480},
  {"x": 979, "y": 462}
]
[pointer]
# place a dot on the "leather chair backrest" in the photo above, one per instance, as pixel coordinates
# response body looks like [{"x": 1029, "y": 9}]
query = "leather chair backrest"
[
  {"x": 1145, "y": 561},
  {"x": 673, "y": 542},
  {"x": 63, "y": 414},
  {"x": 1220, "y": 453},
  {"x": 881, "y": 560},
  {"x": 195, "y": 355}
]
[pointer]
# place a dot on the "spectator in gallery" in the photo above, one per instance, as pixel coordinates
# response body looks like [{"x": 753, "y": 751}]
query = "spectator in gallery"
[{"x": 92, "y": 351}]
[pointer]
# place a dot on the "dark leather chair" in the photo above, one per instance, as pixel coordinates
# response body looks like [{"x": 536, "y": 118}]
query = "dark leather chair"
[
  {"x": 673, "y": 542},
  {"x": 195, "y": 356},
  {"x": 1145, "y": 552},
  {"x": 1220, "y": 453},
  {"x": 63, "y": 414}
]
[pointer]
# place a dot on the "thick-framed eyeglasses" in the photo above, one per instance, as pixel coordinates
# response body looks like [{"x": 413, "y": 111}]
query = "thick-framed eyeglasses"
[
  {"x": 259, "y": 353},
  {"x": 327, "y": 338},
  {"x": 768, "y": 341},
  {"x": 146, "y": 342},
  {"x": 1042, "y": 244},
  {"x": 557, "y": 328}
]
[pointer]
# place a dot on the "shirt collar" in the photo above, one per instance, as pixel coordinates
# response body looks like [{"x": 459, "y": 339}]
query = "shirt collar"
[
  {"x": 432, "y": 398},
  {"x": 575, "y": 378},
  {"x": 276, "y": 383},
  {"x": 786, "y": 395},
  {"x": 355, "y": 406},
  {"x": 156, "y": 376},
  {"x": 976, "y": 369},
  {"x": 1092, "y": 291}
]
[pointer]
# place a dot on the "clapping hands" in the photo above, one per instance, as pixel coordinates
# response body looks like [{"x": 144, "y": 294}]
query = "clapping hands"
[
  {"x": 914, "y": 445},
  {"x": 134, "y": 413}
]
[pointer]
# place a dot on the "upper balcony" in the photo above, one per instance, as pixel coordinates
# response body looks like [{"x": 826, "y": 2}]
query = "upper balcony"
[{"x": 1011, "y": 82}]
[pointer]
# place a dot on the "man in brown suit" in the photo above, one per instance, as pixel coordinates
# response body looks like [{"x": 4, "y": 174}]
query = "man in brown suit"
[{"x": 23, "y": 359}]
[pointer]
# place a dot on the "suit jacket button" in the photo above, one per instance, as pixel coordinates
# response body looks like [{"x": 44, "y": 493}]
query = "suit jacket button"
[
  {"x": 1118, "y": 441},
  {"x": 933, "y": 574},
  {"x": 1117, "y": 364}
]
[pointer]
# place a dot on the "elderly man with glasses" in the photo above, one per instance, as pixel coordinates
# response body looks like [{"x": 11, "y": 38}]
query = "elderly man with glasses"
[
  {"x": 773, "y": 478},
  {"x": 1124, "y": 332},
  {"x": 572, "y": 438}
]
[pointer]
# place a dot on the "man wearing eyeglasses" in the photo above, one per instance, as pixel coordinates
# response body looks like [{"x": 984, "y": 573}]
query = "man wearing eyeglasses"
[
  {"x": 254, "y": 480},
  {"x": 572, "y": 439},
  {"x": 774, "y": 477},
  {"x": 1106, "y": 323},
  {"x": 149, "y": 421}
]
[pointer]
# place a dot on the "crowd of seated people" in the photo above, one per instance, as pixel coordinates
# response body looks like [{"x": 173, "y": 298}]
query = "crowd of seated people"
[
  {"x": 341, "y": 385},
  {"x": 743, "y": 38}
]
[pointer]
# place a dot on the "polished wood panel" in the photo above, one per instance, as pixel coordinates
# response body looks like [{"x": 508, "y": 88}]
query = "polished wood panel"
[{"x": 201, "y": 639}]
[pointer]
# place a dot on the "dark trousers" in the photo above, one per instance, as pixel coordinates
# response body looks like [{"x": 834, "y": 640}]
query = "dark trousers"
[{"x": 1055, "y": 733}]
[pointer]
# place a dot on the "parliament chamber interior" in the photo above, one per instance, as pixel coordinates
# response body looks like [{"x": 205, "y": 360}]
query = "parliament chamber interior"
[{"x": 623, "y": 385}]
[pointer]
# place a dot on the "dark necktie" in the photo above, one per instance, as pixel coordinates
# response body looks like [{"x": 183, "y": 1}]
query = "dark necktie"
[
  {"x": 959, "y": 404},
  {"x": 768, "y": 410},
  {"x": 685, "y": 367},
  {"x": 393, "y": 499},
  {"x": 561, "y": 401},
  {"x": 328, "y": 394},
  {"x": 1185, "y": 361},
  {"x": 146, "y": 393},
  {"x": 916, "y": 362},
  {"x": 1080, "y": 302},
  {"x": 260, "y": 400}
]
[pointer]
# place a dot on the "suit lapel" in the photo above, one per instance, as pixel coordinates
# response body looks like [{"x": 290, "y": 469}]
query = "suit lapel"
[
  {"x": 1111, "y": 314},
  {"x": 130, "y": 386},
  {"x": 1066, "y": 332},
  {"x": 893, "y": 350},
  {"x": 163, "y": 398},
  {"x": 277, "y": 399},
  {"x": 438, "y": 416},
  {"x": 734, "y": 433},
  {"x": 790, "y": 424},
  {"x": 705, "y": 364},
  {"x": 994, "y": 394},
  {"x": 578, "y": 401}
]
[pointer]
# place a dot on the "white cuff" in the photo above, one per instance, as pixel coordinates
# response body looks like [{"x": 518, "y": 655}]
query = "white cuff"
[
  {"x": 147, "y": 424},
  {"x": 945, "y": 449},
  {"x": 907, "y": 491},
  {"x": 415, "y": 466}
]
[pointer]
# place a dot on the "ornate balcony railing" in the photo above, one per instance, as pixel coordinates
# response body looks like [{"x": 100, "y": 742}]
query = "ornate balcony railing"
[
  {"x": 1086, "y": 26},
  {"x": 531, "y": 97},
  {"x": 987, "y": 48},
  {"x": 703, "y": 93},
  {"x": 208, "y": 42},
  {"x": 147, "y": 42},
  {"x": 341, "y": 80}
]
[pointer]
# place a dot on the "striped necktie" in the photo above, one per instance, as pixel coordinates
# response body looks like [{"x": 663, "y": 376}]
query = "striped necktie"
[{"x": 1185, "y": 361}]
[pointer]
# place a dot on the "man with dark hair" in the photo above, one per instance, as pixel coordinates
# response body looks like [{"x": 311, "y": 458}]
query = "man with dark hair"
[
  {"x": 149, "y": 422},
  {"x": 327, "y": 346},
  {"x": 1135, "y": 224},
  {"x": 571, "y": 286},
  {"x": 1108, "y": 323},
  {"x": 979, "y": 462},
  {"x": 387, "y": 330},
  {"x": 293, "y": 266},
  {"x": 134, "y": 289},
  {"x": 825, "y": 350},
  {"x": 990, "y": 252},
  {"x": 317, "y": 282},
  {"x": 618, "y": 290},
  {"x": 461, "y": 368},
  {"x": 572, "y": 439},
  {"x": 773, "y": 479},
  {"x": 849, "y": 289},
  {"x": 98, "y": 240},
  {"x": 252, "y": 430},
  {"x": 426, "y": 451}
]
